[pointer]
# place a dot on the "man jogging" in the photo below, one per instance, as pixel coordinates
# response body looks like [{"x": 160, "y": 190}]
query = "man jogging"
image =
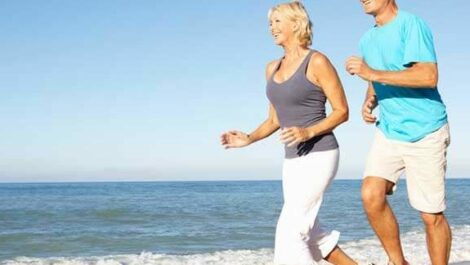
[{"x": 399, "y": 63}]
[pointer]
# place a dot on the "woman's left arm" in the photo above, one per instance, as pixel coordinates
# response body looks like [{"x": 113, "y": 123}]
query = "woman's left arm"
[{"x": 323, "y": 74}]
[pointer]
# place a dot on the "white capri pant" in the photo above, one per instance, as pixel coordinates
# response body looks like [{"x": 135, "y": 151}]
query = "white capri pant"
[{"x": 299, "y": 238}]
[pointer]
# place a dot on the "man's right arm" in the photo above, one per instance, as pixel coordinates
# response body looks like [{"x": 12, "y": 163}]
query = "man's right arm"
[{"x": 418, "y": 75}]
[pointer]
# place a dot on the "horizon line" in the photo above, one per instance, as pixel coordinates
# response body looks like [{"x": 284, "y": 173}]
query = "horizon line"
[{"x": 180, "y": 180}]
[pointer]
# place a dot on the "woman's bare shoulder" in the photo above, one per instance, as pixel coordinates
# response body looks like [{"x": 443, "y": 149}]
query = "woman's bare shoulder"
[
  {"x": 319, "y": 59},
  {"x": 270, "y": 68}
]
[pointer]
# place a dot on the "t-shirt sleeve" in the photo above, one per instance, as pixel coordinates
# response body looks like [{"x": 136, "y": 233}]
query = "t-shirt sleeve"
[
  {"x": 363, "y": 46},
  {"x": 419, "y": 45},
  {"x": 361, "y": 49}
]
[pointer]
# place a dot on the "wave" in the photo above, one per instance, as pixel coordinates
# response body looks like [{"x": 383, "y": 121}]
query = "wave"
[
  {"x": 414, "y": 246},
  {"x": 368, "y": 249}
]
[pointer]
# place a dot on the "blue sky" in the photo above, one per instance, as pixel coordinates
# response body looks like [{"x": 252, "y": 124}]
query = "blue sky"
[{"x": 141, "y": 90}]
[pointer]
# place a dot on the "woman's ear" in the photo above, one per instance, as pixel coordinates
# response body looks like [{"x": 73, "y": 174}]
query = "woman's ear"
[{"x": 296, "y": 26}]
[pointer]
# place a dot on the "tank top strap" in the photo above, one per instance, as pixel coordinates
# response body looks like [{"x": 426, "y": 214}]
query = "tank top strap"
[
  {"x": 302, "y": 67},
  {"x": 278, "y": 65},
  {"x": 306, "y": 61}
]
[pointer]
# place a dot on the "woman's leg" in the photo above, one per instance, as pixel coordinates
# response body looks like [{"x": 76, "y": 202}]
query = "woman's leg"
[
  {"x": 338, "y": 257},
  {"x": 299, "y": 238}
]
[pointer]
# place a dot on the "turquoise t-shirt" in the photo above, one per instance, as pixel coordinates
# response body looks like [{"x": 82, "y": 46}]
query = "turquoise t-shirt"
[{"x": 406, "y": 114}]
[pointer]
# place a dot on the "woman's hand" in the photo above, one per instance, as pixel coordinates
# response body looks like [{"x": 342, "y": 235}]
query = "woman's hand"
[
  {"x": 233, "y": 139},
  {"x": 295, "y": 135}
]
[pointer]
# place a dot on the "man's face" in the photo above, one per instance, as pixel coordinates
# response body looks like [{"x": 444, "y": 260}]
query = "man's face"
[{"x": 373, "y": 7}]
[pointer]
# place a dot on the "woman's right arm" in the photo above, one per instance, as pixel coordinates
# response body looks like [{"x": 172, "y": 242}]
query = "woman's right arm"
[
  {"x": 269, "y": 126},
  {"x": 232, "y": 139}
]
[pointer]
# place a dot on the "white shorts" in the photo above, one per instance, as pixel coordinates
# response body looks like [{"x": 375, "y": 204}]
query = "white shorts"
[
  {"x": 423, "y": 162},
  {"x": 299, "y": 238}
]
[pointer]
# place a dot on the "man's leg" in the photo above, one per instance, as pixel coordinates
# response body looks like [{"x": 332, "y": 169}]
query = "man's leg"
[
  {"x": 381, "y": 217},
  {"x": 426, "y": 165},
  {"x": 438, "y": 237}
]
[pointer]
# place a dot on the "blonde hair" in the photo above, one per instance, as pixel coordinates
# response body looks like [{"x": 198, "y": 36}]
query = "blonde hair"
[{"x": 295, "y": 11}]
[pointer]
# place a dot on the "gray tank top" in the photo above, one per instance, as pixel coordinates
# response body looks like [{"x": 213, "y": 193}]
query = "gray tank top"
[{"x": 298, "y": 102}]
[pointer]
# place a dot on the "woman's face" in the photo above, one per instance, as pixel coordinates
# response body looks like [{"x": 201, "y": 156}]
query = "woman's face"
[{"x": 282, "y": 28}]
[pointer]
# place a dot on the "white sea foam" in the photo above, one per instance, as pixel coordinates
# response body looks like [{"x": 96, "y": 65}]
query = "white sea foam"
[
  {"x": 362, "y": 250},
  {"x": 255, "y": 257},
  {"x": 414, "y": 245}
]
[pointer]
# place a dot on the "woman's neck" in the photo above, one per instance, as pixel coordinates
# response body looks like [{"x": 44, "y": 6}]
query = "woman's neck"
[{"x": 294, "y": 51}]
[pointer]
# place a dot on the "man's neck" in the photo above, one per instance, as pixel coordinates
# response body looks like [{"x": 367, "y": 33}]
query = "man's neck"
[{"x": 386, "y": 15}]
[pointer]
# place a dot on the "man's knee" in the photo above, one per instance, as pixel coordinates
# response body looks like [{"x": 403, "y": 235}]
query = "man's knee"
[
  {"x": 432, "y": 219},
  {"x": 373, "y": 192}
]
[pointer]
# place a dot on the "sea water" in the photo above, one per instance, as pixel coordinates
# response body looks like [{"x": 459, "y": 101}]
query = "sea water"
[{"x": 172, "y": 223}]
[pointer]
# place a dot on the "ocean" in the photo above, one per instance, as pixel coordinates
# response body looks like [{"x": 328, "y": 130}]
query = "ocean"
[{"x": 214, "y": 222}]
